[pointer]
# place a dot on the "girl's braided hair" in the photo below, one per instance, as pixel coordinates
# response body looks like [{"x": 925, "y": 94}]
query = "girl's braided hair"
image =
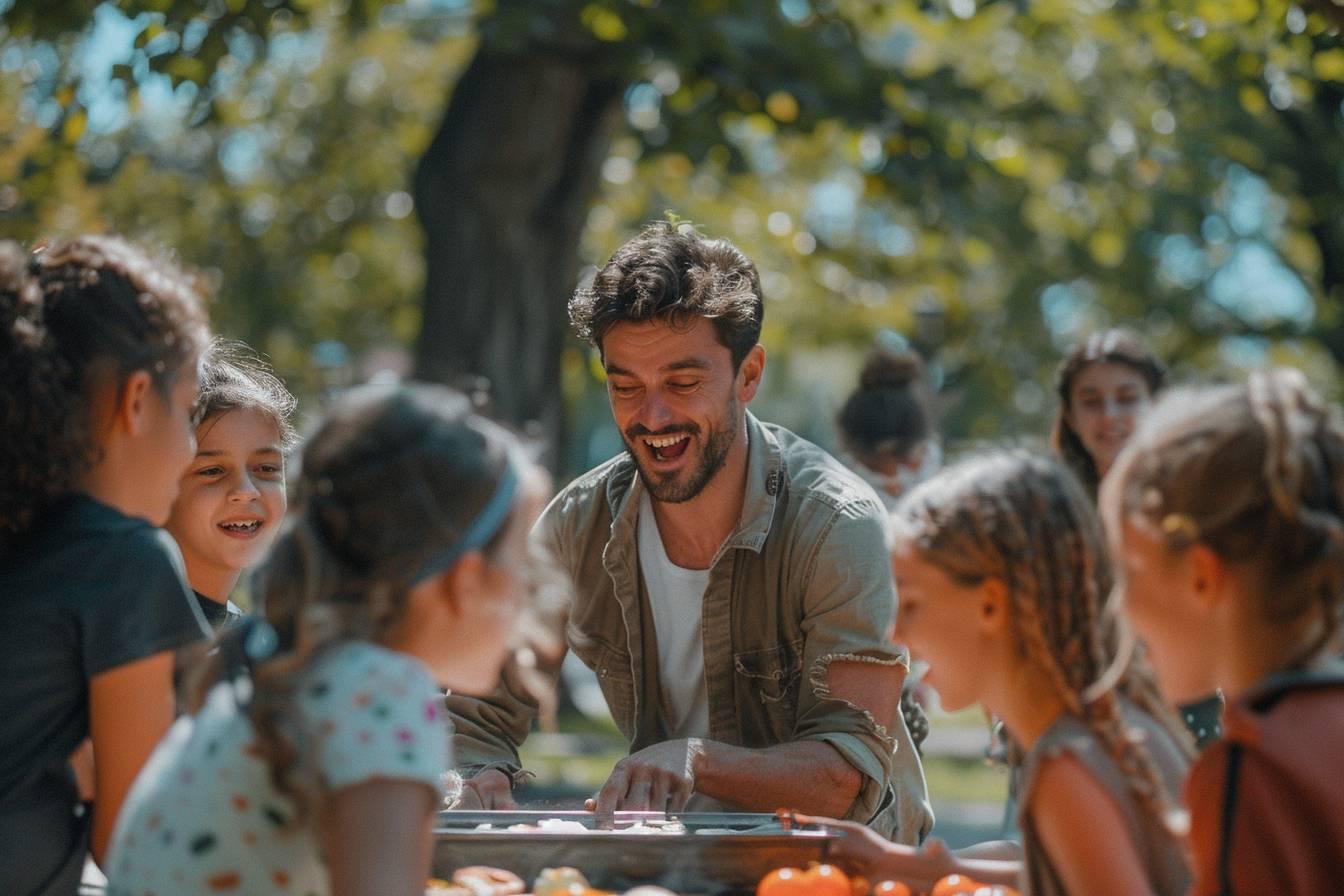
[
  {"x": 1026, "y": 521},
  {"x": 1256, "y": 473},
  {"x": 74, "y": 315}
]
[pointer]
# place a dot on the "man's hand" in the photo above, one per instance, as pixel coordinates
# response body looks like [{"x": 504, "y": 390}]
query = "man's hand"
[
  {"x": 658, "y": 778},
  {"x": 488, "y": 789}
]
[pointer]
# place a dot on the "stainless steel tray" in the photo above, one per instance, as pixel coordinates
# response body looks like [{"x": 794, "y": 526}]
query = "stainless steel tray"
[{"x": 687, "y": 862}]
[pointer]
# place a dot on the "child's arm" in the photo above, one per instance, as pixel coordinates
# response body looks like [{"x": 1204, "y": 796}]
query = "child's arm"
[
  {"x": 1084, "y": 833},
  {"x": 130, "y": 709},
  {"x": 861, "y": 850},
  {"x": 377, "y": 837}
]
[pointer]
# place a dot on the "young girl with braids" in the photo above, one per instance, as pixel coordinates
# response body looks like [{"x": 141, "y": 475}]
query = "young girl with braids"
[
  {"x": 1002, "y": 574},
  {"x": 313, "y": 760},
  {"x": 1227, "y": 509},
  {"x": 232, "y": 496},
  {"x": 98, "y": 346}
]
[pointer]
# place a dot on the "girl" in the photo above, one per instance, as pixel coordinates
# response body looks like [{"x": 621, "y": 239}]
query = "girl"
[
  {"x": 98, "y": 348},
  {"x": 1227, "y": 509},
  {"x": 885, "y": 425},
  {"x": 1105, "y": 384},
  {"x": 312, "y": 763},
  {"x": 1000, "y": 567},
  {"x": 232, "y": 496}
]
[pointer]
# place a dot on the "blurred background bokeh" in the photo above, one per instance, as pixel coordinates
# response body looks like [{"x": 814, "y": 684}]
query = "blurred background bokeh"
[{"x": 382, "y": 188}]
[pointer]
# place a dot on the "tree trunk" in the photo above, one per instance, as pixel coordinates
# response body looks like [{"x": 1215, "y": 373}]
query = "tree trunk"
[{"x": 503, "y": 192}]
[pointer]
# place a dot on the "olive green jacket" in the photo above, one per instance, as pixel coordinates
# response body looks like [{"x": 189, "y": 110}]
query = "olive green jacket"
[{"x": 804, "y": 580}]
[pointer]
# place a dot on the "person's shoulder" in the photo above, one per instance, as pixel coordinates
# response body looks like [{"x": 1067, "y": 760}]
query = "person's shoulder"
[
  {"x": 365, "y": 667},
  {"x": 816, "y": 476},
  {"x": 592, "y": 490},
  {"x": 1284, "y": 720},
  {"x": 93, "y": 549}
]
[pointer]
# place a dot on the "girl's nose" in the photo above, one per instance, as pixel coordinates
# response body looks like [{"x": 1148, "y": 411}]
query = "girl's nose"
[{"x": 244, "y": 489}]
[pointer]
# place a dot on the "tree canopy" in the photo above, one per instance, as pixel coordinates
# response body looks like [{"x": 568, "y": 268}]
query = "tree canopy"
[{"x": 993, "y": 178}]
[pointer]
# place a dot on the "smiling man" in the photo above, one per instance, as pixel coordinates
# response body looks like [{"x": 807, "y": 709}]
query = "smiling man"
[{"x": 732, "y": 584}]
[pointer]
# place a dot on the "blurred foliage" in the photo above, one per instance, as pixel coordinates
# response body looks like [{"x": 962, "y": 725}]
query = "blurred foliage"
[{"x": 992, "y": 177}]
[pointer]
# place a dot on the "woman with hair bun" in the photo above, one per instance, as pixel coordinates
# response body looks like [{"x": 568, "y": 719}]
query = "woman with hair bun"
[{"x": 886, "y": 428}]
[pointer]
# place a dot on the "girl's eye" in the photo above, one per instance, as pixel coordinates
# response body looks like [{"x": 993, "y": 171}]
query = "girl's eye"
[
  {"x": 269, "y": 469},
  {"x": 210, "y": 471}
]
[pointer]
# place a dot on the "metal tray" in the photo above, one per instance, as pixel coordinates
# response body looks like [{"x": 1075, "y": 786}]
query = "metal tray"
[{"x": 687, "y": 862}]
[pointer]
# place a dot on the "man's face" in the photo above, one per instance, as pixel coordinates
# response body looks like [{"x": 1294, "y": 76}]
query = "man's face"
[{"x": 677, "y": 401}]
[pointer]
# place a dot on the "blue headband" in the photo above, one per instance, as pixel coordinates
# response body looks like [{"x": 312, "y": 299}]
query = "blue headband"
[{"x": 479, "y": 532}]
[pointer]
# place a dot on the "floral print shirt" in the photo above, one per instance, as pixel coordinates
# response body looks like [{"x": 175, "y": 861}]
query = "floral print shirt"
[{"x": 204, "y": 818}]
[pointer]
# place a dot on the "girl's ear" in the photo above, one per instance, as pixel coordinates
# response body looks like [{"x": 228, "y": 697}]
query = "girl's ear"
[
  {"x": 464, "y": 582},
  {"x": 131, "y": 409},
  {"x": 1207, "y": 572},
  {"x": 993, "y": 606}
]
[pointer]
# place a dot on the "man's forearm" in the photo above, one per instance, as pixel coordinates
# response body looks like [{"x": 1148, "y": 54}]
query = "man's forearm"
[{"x": 810, "y": 776}]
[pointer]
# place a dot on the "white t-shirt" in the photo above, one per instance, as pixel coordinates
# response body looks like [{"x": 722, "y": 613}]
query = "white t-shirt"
[
  {"x": 203, "y": 817},
  {"x": 676, "y": 596}
]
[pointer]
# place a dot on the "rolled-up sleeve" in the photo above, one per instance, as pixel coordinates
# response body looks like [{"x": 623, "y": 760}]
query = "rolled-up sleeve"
[{"x": 849, "y": 605}]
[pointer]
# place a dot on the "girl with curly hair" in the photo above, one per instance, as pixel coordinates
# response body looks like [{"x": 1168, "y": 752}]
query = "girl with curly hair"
[{"x": 99, "y": 341}]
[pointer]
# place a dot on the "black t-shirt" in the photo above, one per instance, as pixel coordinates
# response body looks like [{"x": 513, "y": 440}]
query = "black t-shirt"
[
  {"x": 219, "y": 615},
  {"x": 87, "y": 590}
]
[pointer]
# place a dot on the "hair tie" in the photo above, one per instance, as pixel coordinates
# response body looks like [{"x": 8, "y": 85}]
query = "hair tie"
[
  {"x": 1181, "y": 524},
  {"x": 260, "y": 641},
  {"x": 479, "y": 531}
]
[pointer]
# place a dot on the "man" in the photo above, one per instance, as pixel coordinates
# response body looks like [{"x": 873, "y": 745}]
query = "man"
[{"x": 732, "y": 583}]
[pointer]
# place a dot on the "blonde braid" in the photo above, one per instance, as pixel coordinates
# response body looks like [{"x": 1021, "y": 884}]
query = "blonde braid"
[
  {"x": 1074, "y": 649},
  {"x": 1021, "y": 519}
]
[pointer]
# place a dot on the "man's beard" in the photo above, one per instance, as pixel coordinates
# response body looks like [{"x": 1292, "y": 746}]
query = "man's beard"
[{"x": 682, "y": 486}]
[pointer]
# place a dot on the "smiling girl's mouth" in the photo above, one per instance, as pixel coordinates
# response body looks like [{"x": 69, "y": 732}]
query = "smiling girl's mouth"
[{"x": 241, "y": 528}]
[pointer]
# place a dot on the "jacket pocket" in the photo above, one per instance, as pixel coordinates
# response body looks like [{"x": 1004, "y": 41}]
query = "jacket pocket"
[{"x": 769, "y": 680}]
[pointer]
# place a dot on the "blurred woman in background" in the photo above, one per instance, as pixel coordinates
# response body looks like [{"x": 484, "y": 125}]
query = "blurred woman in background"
[{"x": 886, "y": 426}]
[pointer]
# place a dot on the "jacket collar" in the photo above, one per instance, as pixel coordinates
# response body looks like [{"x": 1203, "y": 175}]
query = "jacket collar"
[{"x": 765, "y": 480}]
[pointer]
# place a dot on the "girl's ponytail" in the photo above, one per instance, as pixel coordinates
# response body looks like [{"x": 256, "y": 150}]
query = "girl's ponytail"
[{"x": 40, "y": 412}]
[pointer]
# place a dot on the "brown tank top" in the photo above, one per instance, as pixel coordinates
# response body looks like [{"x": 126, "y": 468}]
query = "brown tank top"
[{"x": 1162, "y": 853}]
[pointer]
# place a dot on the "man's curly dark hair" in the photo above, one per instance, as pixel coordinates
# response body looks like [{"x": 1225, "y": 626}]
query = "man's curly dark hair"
[{"x": 670, "y": 272}]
